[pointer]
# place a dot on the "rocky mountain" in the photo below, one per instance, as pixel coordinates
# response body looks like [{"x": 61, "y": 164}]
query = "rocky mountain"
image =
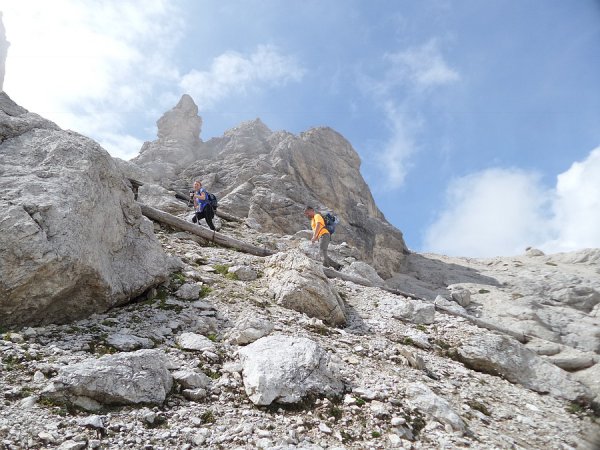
[
  {"x": 234, "y": 352},
  {"x": 269, "y": 177},
  {"x": 117, "y": 332}
]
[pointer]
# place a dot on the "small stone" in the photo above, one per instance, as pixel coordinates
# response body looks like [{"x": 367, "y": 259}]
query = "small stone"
[
  {"x": 396, "y": 421},
  {"x": 394, "y": 439},
  {"x": 38, "y": 377},
  {"x": 324, "y": 428}
]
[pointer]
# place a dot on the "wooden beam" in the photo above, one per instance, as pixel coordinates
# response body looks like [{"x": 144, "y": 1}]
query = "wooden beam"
[{"x": 198, "y": 230}]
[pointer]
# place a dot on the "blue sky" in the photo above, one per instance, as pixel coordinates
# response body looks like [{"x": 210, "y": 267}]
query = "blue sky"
[{"x": 477, "y": 121}]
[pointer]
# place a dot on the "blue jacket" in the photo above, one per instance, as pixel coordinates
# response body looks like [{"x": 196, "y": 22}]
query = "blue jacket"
[{"x": 201, "y": 204}]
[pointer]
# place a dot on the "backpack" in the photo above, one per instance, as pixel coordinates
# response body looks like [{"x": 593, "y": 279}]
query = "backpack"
[
  {"x": 331, "y": 222},
  {"x": 212, "y": 200}
]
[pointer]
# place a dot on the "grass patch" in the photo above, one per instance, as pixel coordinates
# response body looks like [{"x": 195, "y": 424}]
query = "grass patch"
[
  {"x": 334, "y": 412},
  {"x": 177, "y": 278},
  {"x": 204, "y": 291},
  {"x": 416, "y": 421},
  {"x": 474, "y": 404},
  {"x": 359, "y": 401},
  {"x": 100, "y": 347},
  {"x": 483, "y": 291},
  {"x": 375, "y": 434},
  {"x": 12, "y": 363},
  {"x": 442, "y": 344},
  {"x": 407, "y": 341},
  {"x": 221, "y": 268},
  {"x": 161, "y": 293},
  {"x": 207, "y": 416},
  {"x": 57, "y": 407}
]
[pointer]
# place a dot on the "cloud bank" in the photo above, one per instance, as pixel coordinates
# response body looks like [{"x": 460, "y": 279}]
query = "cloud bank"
[{"x": 499, "y": 212}]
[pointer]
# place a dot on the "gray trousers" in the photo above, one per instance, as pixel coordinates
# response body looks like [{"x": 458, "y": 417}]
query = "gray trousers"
[{"x": 323, "y": 245}]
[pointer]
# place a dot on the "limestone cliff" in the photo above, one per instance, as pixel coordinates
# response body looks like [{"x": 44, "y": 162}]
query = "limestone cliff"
[{"x": 270, "y": 176}]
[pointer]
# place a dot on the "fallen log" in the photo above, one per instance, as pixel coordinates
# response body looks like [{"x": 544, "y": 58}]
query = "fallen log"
[
  {"x": 521, "y": 337},
  {"x": 212, "y": 236},
  {"x": 331, "y": 273}
]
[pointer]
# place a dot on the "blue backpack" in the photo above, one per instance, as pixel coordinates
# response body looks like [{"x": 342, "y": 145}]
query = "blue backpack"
[
  {"x": 331, "y": 222},
  {"x": 212, "y": 200}
]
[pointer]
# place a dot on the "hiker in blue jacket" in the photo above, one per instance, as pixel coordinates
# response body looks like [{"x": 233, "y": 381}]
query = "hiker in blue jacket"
[{"x": 202, "y": 206}]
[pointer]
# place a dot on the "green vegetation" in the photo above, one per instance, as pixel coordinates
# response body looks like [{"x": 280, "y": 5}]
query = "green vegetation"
[
  {"x": 204, "y": 291},
  {"x": 442, "y": 344},
  {"x": 359, "y": 401},
  {"x": 474, "y": 404},
  {"x": 416, "y": 421},
  {"x": 375, "y": 434},
  {"x": 407, "y": 341},
  {"x": 177, "y": 278},
  {"x": 221, "y": 268},
  {"x": 483, "y": 291},
  {"x": 207, "y": 416},
  {"x": 335, "y": 412},
  {"x": 231, "y": 276},
  {"x": 11, "y": 363},
  {"x": 56, "y": 406}
]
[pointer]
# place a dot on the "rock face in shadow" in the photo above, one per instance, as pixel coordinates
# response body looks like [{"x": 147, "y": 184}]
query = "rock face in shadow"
[
  {"x": 269, "y": 177},
  {"x": 72, "y": 239}
]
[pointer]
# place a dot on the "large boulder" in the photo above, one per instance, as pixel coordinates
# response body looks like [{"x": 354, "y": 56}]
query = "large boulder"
[
  {"x": 299, "y": 283},
  {"x": 286, "y": 369},
  {"x": 139, "y": 377},
  {"x": 506, "y": 357},
  {"x": 72, "y": 239}
]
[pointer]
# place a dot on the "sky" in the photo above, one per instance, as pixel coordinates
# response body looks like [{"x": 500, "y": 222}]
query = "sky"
[{"x": 477, "y": 121}]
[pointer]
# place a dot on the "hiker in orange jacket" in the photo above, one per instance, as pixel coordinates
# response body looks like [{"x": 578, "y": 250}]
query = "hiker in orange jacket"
[{"x": 321, "y": 234}]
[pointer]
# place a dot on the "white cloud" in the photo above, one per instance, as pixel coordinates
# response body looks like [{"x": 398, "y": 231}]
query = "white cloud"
[
  {"x": 394, "y": 158},
  {"x": 494, "y": 212},
  {"x": 411, "y": 76},
  {"x": 502, "y": 212},
  {"x": 71, "y": 59},
  {"x": 577, "y": 206},
  {"x": 234, "y": 73},
  {"x": 419, "y": 68}
]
